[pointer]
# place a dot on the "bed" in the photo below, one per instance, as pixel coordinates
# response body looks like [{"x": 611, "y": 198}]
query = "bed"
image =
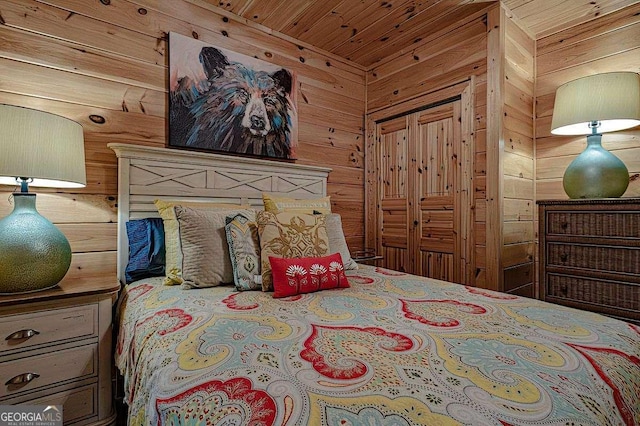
[{"x": 392, "y": 349}]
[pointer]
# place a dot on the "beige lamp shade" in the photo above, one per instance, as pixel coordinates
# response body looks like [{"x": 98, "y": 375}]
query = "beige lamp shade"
[
  {"x": 44, "y": 147},
  {"x": 612, "y": 99}
]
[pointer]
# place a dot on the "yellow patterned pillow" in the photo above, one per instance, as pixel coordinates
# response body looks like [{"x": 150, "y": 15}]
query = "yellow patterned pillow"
[
  {"x": 277, "y": 204},
  {"x": 289, "y": 235},
  {"x": 173, "y": 254}
]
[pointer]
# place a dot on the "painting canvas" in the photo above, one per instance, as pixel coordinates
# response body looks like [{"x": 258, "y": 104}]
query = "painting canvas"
[{"x": 228, "y": 102}]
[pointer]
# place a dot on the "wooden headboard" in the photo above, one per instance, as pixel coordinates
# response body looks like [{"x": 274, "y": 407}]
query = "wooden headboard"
[{"x": 147, "y": 173}]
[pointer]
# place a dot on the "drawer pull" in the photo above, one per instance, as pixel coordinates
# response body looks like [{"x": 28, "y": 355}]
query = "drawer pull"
[
  {"x": 22, "y": 334},
  {"x": 22, "y": 378}
]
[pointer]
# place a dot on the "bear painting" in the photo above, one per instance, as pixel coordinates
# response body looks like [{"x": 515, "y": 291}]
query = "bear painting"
[{"x": 224, "y": 101}]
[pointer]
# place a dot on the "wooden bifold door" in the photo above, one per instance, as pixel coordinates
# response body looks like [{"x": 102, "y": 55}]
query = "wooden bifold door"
[{"x": 424, "y": 203}]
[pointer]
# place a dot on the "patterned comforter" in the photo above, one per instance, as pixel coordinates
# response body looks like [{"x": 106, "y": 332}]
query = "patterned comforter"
[{"x": 394, "y": 349}]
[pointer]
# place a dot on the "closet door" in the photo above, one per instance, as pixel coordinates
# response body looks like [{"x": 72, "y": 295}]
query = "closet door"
[
  {"x": 393, "y": 210},
  {"x": 420, "y": 198},
  {"x": 424, "y": 206},
  {"x": 434, "y": 186}
]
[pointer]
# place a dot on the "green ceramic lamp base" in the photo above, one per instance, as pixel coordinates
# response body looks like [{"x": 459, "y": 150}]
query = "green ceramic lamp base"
[
  {"x": 34, "y": 254},
  {"x": 595, "y": 173}
]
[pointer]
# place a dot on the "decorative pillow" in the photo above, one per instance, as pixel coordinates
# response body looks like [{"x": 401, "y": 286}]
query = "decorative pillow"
[
  {"x": 289, "y": 235},
  {"x": 244, "y": 250},
  {"x": 203, "y": 242},
  {"x": 307, "y": 274},
  {"x": 337, "y": 242},
  {"x": 146, "y": 249},
  {"x": 277, "y": 204},
  {"x": 171, "y": 237}
]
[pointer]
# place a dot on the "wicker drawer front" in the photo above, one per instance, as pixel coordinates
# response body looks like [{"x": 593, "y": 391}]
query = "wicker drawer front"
[
  {"x": 599, "y": 258},
  {"x": 49, "y": 368},
  {"x": 24, "y": 331},
  {"x": 596, "y": 224},
  {"x": 605, "y": 293}
]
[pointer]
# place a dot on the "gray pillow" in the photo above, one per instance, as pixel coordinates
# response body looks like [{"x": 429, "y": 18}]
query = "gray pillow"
[
  {"x": 337, "y": 242},
  {"x": 203, "y": 241}
]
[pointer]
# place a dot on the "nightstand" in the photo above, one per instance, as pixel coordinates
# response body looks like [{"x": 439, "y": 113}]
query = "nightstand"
[
  {"x": 590, "y": 255},
  {"x": 56, "y": 349}
]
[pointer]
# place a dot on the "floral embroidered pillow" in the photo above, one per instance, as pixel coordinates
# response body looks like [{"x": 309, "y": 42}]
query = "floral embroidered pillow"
[
  {"x": 289, "y": 235},
  {"x": 244, "y": 249},
  {"x": 307, "y": 274}
]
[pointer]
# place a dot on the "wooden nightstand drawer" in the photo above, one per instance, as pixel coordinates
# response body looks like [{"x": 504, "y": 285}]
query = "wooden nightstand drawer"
[
  {"x": 48, "y": 369},
  {"x": 623, "y": 224},
  {"x": 44, "y": 328},
  {"x": 624, "y": 260},
  {"x": 77, "y": 404}
]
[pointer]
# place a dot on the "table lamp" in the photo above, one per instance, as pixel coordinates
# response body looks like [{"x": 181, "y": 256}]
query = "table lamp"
[
  {"x": 591, "y": 106},
  {"x": 36, "y": 149}
]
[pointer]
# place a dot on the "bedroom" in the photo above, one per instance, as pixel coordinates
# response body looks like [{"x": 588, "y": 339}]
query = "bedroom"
[{"x": 104, "y": 64}]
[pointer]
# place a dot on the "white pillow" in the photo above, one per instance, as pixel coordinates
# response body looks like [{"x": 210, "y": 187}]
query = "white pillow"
[{"x": 337, "y": 242}]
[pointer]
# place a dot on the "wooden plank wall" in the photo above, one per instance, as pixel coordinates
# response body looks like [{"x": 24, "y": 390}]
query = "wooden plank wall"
[
  {"x": 494, "y": 158},
  {"x": 104, "y": 64},
  {"x": 518, "y": 197},
  {"x": 609, "y": 43},
  {"x": 452, "y": 55}
]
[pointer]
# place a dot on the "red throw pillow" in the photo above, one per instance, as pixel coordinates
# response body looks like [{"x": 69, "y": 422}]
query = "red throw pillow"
[{"x": 307, "y": 274}]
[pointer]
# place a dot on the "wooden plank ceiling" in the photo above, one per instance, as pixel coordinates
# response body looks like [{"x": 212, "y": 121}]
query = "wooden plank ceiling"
[{"x": 367, "y": 31}]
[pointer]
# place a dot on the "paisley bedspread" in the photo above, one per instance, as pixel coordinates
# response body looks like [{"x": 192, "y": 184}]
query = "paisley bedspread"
[{"x": 394, "y": 349}]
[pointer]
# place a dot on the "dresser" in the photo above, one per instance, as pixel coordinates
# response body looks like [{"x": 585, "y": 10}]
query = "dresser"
[
  {"x": 590, "y": 255},
  {"x": 56, "y": 349}
]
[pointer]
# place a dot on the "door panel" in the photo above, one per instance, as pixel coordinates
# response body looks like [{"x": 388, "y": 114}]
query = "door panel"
[
  {"x": 393, "y": 204},
  {"x": 436, "y": 189},
  {"x": 394, "y": 219},
  {"x": 437, "y": 265},
  {"x": 437, "y": 224},
  {"x": 396, "y": 259}
]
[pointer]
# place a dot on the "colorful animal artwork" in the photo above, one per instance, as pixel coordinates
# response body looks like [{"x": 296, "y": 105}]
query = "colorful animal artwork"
[{"x": 224, "y": 101}]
